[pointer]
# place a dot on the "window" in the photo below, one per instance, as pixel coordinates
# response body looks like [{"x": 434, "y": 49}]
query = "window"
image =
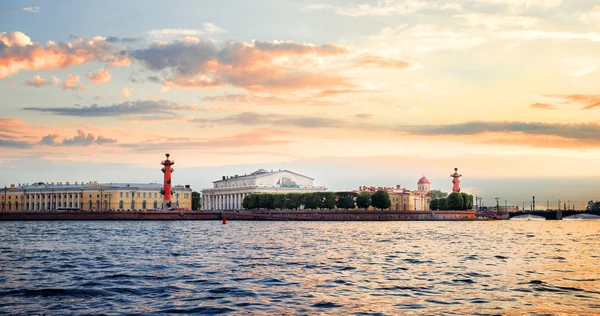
[
  {"x": 121, "y": 202},
  {"x": 185, "y": 195},
  {"x": 155, "y": 204},
  {"x": 138, "y": 194},
  {"x": 126, "y": 194},
  {"x": 155, "y": 195},
  {"x": 121, "y": 194},
  {"x": 144, "y": 195}
]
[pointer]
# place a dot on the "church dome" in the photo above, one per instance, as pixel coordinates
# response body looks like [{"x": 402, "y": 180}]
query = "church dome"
[{"x": 424, "y": 180}]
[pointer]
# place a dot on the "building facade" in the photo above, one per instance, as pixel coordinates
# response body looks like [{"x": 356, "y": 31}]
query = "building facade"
[
  {"x": 229, "y": 192},
  {"x": 403, "y": 199},
  {"x": 90, "y": 196}
]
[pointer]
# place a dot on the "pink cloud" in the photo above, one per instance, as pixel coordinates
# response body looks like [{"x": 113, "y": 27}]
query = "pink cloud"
[
  {"x": 126, "y": 92},
  {"x": 72, "y": 83},
  {"x": 37, "y": 82},
  {"x": 101, "y": 76},
  {"x": 22, "y": 54}
]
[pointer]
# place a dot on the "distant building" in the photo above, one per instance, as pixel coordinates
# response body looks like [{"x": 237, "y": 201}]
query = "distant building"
[
  {"x": 90, "y": 196},
  {"x": 404, "y": 199},
  {"x": 229, "y": 192}
]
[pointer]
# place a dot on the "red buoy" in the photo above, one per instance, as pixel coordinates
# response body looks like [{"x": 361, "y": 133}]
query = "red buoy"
[{"x": 224, "y": 221}]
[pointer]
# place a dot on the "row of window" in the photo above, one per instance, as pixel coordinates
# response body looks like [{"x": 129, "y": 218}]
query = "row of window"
[{"x": 149, "y": 195}]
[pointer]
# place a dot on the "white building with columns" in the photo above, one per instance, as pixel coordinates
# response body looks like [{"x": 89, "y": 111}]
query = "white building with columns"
[{"x": 229, "y": 192}]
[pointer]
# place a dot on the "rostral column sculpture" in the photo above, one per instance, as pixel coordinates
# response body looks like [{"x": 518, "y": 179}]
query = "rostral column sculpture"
[
  {"x": 456, "y": 180},
  {"x": 166, "y": 190}
]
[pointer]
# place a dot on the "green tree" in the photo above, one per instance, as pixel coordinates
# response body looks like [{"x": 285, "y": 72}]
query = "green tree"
[
  {"x": 442, "y": 204},
  {"x": 279, "y": 201},
  {"x": 436, "y": 194},
  {"x": 470, "y": 203},
  {"x": 433, "y": 204},
  {"x": 328, "y": 200},
  {"x": 250, "y": 202},
  {"x": 346, "y": 200},
  {"x": 465, "y": 200},
  {"x": 265, "y": 200},
  {"x": 363, "y": 200},
  {"x": 293, "y": 201},
  {"x": 195, "y": 201},
  {"x": 454, "y": 201},
  {"x": 309, "y": 200},
  {"x": 381, "y": 200}
]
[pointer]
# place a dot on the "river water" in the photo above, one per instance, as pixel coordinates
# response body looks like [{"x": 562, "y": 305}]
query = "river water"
[{"x": 267, "y": 268}]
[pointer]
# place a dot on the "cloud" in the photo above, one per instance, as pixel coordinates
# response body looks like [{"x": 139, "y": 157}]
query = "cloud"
[
  {"x": 543, "y": 106},
  {"x": 18, "y": 53},
  {"x": 421, "y": 38},
  {"x": 251, "y": 99},
  {"x": 212, "y": 28},
  {"x": 387, "y": 8},
  {"x": 7, "y": 143},
  {"x": 122, "y": 61},
  {"x": 369, "y": 60},
  {"x": 37, "y": 82},
  {"x": 81, "y": 139},
  {"x": 253, "y": 66},
  {"x": 256, "y": 138},
  {"x": 589, "y": 101},
  {"x": 498, "y": 22},
  {"x": 33, "y": 9},
  {"x": 519, "y": 6},
  {"x": 117, "y": 109},
  {"x": 154, "y": 79},
  {"x": 208, "y": 28},
  {"x": 114, "y": 39},
  {"x": 253, "y": 119},
  {"x": 364, "y": 115},
  {"x": 101, "y": 76},
  {"x": 582, "y": 132},
  {"x": 584, "y": 71},
  {"x": 72, "y": 83},
  {"x": 56, "y": 79},
  {"x": 126, "y": 92},
  {"x": 540, "y": 35}
]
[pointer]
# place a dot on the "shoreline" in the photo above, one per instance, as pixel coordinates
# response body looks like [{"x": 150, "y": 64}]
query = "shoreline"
[{"x": 312, "y": 215}]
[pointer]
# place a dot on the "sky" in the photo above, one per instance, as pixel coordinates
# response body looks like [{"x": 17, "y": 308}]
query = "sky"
[{"x": 374, "y": 93}]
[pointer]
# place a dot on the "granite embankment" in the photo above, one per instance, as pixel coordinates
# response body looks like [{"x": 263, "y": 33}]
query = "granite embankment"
[{"x": 304, "y": 215}]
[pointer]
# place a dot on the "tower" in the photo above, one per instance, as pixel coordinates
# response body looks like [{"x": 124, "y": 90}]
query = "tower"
[
  {"x": 166, "y": 190},
  {"x": 424, "y": 186},
  {"x": 456, "y": 180}
]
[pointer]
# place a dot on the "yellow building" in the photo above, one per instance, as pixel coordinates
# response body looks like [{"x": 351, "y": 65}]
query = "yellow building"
[{"x": 90, "y": 196}]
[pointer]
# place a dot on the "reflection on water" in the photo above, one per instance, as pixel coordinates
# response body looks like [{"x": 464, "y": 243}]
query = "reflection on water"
[{"x": 503, "y": 267}]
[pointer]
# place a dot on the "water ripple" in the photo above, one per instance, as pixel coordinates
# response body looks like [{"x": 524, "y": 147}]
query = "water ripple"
[{"x": 266, "y": 268}]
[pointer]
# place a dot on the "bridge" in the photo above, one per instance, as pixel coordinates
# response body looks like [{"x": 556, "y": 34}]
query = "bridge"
[{"x": 553, "y": 214}]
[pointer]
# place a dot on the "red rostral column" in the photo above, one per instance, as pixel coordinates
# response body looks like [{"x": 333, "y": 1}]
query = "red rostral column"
[
  {"x": 166, "y": 190},
  {"x": 456, "y": 180}
]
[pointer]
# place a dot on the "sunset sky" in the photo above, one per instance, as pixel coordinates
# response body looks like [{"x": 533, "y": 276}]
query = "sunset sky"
[{"x": 350, "y": 93}]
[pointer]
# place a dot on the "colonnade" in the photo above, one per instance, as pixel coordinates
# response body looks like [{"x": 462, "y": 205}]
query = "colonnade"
[
  {"x": 44, "y": 201},
  {"x": 225, "y": 201}
]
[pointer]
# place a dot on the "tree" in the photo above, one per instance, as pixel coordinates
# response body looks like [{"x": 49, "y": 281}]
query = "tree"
[
  {"x": 381, "y": 200},
  {"x": 436, "y": 194},
  {"x": 293, "y": 201},
  {"x": 470, "y": 203},
  {"x": 328, "y": 200},
  {"x": 454, "y": 201},
  {"x": 309, "y": 200},
  {"x": 265, "y": 200},
  {"x": 433, "y": 204},
  {"x": 250, "y": 202},
  {"x": 363, "y": 200},
  {"x": 346, "y": 200},
  {"x": 442, "y": 204},
  {"x": 278, "y": 201},
  {"x": 465, "y": 198},
  {"x": 195, "y": 201}
]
